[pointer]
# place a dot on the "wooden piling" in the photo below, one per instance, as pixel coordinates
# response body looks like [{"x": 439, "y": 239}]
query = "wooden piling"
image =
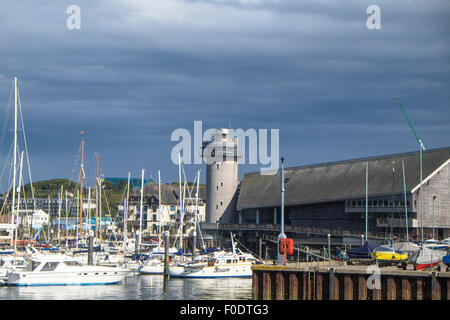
[
  {"x": 279, "y": 291},
  {"x": 293, "y": 286},
  {"x": 255, "y": 286},
  {"x": 319, "y": 282},
  {"x": 406, "y": 289},
  {"x": 304, "y": 286},
  {"x": 362, "y": 288},
  {"x": 419, "y": 289},
  {"x": 391, "y": 289},
  {"x": 267, "y": 286},
  {"x": 348, "y": 288},
  {"x": 308, "y": 279}
]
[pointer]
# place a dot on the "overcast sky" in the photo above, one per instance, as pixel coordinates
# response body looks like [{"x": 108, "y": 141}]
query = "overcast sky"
[{"x": 139, "y": 69}]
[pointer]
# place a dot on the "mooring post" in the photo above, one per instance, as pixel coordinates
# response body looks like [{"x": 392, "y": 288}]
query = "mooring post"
[
  {"x": 137, "y": 244},
  {"x": 332, "y": 284},
  {"x": 166, "y": 253},
  {"x": 90, "y": 250}
]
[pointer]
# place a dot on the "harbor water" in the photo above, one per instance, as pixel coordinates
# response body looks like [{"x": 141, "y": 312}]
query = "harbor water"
[{"x": 139, "y": 287}]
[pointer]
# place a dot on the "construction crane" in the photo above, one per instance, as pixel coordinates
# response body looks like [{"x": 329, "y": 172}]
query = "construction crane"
[
  {"x": 421, "y": 148},
  {"x": 411, "y": 125}
]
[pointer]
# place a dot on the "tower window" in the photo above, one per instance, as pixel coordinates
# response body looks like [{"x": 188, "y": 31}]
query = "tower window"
[
  {"x": 217, "y": 187},
  {"x": 221, "y": 183},
  {"x": 217, "y": 166},
  {"x": 221, "y": 203},
  {"x": 217, "y": 206}
]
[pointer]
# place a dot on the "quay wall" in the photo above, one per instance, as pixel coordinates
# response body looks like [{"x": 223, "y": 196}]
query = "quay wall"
[{"x": 325, "y": 281}]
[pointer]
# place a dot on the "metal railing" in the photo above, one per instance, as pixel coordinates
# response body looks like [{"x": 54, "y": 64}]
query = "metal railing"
[{"x": 287, "y": 228}]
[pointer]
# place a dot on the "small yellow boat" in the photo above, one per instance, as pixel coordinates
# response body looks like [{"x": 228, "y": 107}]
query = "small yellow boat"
[{"x": 387, "y": 255}]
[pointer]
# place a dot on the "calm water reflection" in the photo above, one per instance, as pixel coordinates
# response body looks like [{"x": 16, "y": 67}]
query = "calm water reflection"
[{"x": 144, "y": 287}]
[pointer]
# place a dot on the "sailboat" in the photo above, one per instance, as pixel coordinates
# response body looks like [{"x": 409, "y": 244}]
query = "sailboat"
[
  {"x": 215, "y": 265},
  {"x": 46, "y": 270},
  {"x": 10, "y": 231},
  {"x": 155, "y": 264},
  {"x": 426, "y": 258}
]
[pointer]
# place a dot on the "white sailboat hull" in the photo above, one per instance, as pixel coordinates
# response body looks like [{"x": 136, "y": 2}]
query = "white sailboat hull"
[
  {"x": 216, "y": 271},
  {"x": 152, "y": 269},
  {"x": 87, "y": 275}
]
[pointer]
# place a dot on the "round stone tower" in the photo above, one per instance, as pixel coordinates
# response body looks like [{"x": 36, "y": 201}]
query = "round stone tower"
[{"x": 220, "y": 156}]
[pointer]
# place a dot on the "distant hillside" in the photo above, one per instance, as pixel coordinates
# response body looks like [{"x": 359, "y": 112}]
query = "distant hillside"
[{"x": 52, "y": 188}]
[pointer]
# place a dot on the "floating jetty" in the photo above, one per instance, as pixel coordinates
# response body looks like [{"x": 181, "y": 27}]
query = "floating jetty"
[{"x": 334, "y": 280}]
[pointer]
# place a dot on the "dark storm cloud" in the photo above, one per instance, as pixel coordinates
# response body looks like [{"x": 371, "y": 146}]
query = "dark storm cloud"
[{"x": 137, "y": 70}]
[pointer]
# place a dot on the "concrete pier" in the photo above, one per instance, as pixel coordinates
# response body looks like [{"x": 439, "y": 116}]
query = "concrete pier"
[{"x": 333, "y": 280}]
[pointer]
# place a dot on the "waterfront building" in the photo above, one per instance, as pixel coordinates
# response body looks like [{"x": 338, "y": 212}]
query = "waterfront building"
[
  {"x": 332, "y": 195},
  {"x": 169, "y": 207}
]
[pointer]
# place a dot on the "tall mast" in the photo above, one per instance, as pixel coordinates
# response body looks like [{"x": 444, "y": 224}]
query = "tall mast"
[
  {"x": 15, "y": 152},
  {"x": 97, "y": 186},
  {"x": 78, "y": 205},
  {"x": 406, "y": 203},
  {"x": 59, "y": 215},
  {"x": 50, "y": 229},
  {"x": 367, "y": 197},
  {"x": 181, "y": 201},
  {"x": 141, "y": 210},
  {"x": 18, "y": 202},
  {"x": 125, "y": 213},
  {"x": 159, "y": 210},
  {"x": 67, "y": 232},
  {"x": 100, "y": 206},
  {"x": 81, "y": 185},
  {"x": 391, "y": 230},
  {"x": 420, "y": 197},
  {"x": 89, "y": 212},
  {"x": 194, "y": 246}
]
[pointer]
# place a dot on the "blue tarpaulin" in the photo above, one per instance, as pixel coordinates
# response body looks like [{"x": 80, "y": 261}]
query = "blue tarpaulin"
[{"x": 361, "y": 252}]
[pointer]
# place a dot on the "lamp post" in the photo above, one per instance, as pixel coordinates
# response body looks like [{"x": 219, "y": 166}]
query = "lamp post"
[{"x": 281, "y": 235}]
